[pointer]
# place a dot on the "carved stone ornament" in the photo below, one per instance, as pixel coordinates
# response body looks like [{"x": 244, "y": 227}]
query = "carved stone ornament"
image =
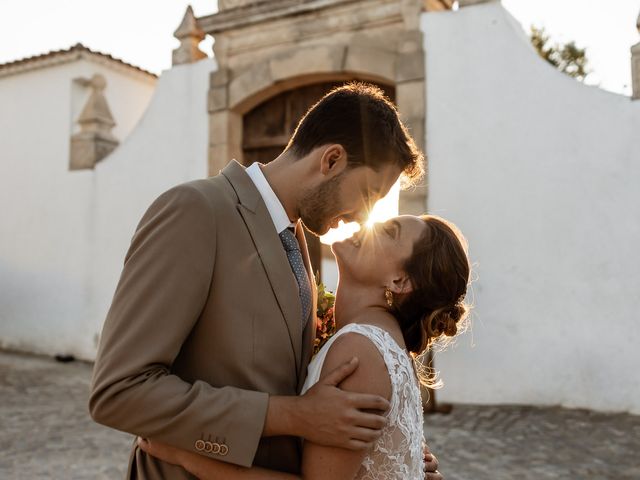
[
  {"x": 94, "y": 141},
  {"x": 190, "y": 35}
]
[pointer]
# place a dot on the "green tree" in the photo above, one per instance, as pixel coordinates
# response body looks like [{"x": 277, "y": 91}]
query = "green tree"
[{"x": 568, "y": 58}]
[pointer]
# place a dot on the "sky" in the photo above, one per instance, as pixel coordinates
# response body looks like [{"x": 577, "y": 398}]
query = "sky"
[
  {"x": 607, "y": 28},
  {"x": 141, "y": 31}
]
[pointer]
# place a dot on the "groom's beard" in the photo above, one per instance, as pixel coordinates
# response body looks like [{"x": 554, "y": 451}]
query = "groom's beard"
[{"x": 321, "y": 206}]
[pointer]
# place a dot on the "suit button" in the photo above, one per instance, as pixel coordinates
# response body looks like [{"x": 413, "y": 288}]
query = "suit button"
[
  {"x": 224, "y": 449},
  {"x": 199, "y": 445},
  {"x": 216, "y": 448},
  {"x": 208, "y": 446}
]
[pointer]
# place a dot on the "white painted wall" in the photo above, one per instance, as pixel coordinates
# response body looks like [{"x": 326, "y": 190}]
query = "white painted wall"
[
  {"x": 169, "y": 147},
  {"x": 541, "y": 173},
  {"x": 64, "y": 232}
]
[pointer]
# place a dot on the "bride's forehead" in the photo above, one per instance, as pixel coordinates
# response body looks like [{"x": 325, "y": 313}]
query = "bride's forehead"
[
  {"x": 409, "y": 220},
  {"x": 412, "y": 226}
]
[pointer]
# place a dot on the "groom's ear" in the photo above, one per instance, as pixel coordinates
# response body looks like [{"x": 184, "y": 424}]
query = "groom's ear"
[{"x": 333, "y": 160}]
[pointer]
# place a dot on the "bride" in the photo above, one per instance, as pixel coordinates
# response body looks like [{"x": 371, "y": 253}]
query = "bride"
[{"x": 402, "y": 285}]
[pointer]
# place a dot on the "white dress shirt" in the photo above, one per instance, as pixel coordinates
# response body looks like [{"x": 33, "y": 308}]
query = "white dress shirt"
[{"x": 274, "y": 206}]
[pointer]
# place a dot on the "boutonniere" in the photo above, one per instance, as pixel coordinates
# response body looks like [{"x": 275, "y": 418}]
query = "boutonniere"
[{"x": 326, "y": 324}]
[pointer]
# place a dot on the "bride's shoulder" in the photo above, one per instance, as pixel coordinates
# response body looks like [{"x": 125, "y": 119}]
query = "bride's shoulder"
[{"x": 371, "y": 375}]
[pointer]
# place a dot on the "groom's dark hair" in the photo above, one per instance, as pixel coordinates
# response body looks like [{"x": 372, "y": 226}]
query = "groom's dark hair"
[{"x": 363, "y": 120}]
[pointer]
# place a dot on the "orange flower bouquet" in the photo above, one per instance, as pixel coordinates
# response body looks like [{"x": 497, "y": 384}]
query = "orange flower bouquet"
[{"x": 326, "y": 324}]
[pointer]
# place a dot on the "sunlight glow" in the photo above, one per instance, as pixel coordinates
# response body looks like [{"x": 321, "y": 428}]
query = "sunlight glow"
[{"x": 383, "y": 210}]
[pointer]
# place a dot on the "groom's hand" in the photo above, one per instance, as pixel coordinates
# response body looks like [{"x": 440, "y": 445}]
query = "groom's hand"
[{"x": 330, "y": 416}]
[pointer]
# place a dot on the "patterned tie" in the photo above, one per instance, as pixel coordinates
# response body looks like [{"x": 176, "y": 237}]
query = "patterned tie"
[{"x": 292, "y": 248}]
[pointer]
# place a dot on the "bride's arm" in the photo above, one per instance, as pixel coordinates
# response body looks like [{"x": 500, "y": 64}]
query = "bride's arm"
[
  {"x": 318, "y": 462},
  {"x": 321, "y": 462}
]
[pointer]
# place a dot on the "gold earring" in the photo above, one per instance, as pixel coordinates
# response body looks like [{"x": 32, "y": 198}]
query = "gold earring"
[{"x": 388, "y": 295}]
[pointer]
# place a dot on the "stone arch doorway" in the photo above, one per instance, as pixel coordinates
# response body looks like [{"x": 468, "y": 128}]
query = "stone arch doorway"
[
  {"x": 263, "y": 49},
  {"x": 267, "y": 127}
]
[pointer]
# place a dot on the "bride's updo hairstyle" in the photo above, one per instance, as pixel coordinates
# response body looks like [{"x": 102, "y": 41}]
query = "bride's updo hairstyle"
[{"x": 439, "y": 270}]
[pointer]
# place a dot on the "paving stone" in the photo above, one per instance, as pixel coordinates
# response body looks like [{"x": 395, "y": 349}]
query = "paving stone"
[
  {"x": 45, "y": 428},
  {"x": 46, "y": 433},
  {"x": 523, "y": 442}
]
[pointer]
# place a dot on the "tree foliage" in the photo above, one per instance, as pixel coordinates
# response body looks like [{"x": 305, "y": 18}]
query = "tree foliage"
[{"x": 568, "y": 57}]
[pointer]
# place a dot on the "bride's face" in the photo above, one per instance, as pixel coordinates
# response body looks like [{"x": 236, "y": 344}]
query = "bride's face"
[{"x": 376, "y": 255}]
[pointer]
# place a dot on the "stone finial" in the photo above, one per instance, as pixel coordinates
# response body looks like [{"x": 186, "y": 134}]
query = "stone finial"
[
  {"x": 96, "y": 115},
  {"x": 468, "y": 3},
  {"x": 190, "y": 35},
  {"x": 94, "y": 141}
]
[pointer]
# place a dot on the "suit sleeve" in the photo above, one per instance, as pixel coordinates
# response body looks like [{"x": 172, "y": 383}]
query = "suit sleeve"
[{"x": 163, "y": 288}]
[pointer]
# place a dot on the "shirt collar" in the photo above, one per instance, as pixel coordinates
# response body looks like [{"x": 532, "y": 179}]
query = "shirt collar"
[{"x": 274, "y": 206}]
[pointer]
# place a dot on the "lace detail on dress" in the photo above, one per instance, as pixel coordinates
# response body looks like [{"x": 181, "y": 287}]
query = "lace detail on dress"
[{"x": 398, "y": 452}]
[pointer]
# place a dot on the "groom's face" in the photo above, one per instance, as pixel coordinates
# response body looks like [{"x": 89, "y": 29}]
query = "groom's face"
[{"x": 349, "y": 197}]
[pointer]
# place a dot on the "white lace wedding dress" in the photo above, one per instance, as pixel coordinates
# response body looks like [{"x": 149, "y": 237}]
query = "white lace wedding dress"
[{"x": 398, "y": 452}]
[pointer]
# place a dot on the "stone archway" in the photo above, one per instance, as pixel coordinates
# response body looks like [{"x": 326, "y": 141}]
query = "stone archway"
[
  {"x": 263, "y": 51},
  {"x": 228, "y": 105},
  {"x": 296, "y": 70}
]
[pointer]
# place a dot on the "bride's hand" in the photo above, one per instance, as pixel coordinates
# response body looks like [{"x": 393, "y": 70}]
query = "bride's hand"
[
  {"x": 164, "y": 452},
  {"x": 431, "y": 465}
]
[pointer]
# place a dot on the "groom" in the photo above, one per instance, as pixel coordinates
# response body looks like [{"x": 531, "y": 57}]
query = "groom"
[{"x": 207, "y": 341}]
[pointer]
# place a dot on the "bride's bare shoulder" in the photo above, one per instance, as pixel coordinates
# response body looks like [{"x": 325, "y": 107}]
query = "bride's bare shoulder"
[{"x": 371, "y": 376}]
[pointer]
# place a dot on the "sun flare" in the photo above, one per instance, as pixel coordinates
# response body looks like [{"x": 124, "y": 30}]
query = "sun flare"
[{"x": 384, "y": 209}]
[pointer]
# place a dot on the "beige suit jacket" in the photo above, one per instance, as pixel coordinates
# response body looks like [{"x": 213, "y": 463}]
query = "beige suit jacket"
[{"x": 205, "y": 324}]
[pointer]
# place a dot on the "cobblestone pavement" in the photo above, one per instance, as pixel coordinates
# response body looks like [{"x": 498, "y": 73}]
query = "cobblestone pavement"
[
  {"x": 530, "y": 443},
  {"x": 46, "y": 433}
]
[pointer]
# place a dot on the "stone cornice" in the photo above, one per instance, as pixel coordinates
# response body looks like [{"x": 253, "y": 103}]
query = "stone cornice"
[
  {"x": 341, "y": 19},
  {"x": 77, "y": 52},
  {"x": 261, "y": 12}
]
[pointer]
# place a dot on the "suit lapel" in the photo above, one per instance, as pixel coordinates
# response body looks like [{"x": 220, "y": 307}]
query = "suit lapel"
[
  {"x": 309, "y": 334},
  {"x": 272, "y": 254}
]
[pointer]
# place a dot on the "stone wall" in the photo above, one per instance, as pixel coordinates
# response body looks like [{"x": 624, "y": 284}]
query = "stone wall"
[{"x": 48, "y": 211}]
